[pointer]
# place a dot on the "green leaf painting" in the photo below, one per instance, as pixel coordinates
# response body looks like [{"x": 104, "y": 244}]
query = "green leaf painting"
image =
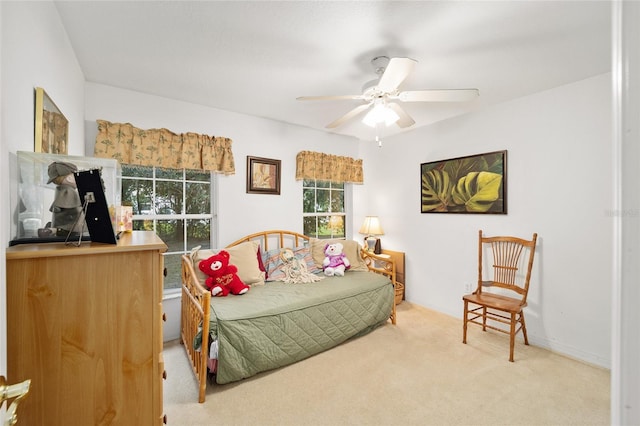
[
  {"x": 474, "y": 184},
  {"x": 436, "y": 190}
]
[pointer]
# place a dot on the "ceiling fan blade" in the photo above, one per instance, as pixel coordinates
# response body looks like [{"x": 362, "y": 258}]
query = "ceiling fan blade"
[
  {"x": 448, "y": 95},
  {"x": 348, "y": 116},
  {"x": 397, "y": 70},
  {"x": 405, "y": 119},
  {"x": 328, "y": 98}
]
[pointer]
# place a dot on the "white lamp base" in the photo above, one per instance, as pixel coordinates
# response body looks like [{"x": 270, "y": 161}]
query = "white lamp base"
[{"x": 371, "y": 243}]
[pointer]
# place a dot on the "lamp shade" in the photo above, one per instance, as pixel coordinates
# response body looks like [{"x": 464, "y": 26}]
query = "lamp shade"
[{"x": 371, "y": 226}]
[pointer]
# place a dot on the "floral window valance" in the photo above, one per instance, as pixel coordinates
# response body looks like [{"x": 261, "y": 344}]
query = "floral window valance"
[
  {"x": 316, "y": 165},
  {"x": 163, "y": 148}
]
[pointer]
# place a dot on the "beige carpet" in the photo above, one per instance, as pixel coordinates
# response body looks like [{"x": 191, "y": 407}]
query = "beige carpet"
[{"x": 415, "y": 373}]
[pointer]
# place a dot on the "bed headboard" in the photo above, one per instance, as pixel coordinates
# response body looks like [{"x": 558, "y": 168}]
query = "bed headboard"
[{"x": 274, "y": 239}]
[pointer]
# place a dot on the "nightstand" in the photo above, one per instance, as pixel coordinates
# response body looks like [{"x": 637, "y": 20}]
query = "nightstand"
[
  {"x": 384, "y": 256},
  {"x": 398, "y": 258}
]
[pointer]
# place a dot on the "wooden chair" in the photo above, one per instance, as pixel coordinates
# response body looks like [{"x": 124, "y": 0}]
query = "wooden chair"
[{"x": 504, "y": 304}]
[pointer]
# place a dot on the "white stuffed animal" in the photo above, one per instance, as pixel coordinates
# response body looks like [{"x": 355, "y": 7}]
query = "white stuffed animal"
[{"x": 335, "y": 261}]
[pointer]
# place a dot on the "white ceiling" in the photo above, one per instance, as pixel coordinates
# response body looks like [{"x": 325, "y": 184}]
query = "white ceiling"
[{"x": 256, "y": 57}]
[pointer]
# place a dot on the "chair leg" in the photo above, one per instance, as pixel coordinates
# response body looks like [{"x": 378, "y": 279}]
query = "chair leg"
[
  {"x": 524, "y": 329},
  {"x": 464, "y": 322},
  {"x": 512, "y": 336},
  {"x": 484, "y": 318}
]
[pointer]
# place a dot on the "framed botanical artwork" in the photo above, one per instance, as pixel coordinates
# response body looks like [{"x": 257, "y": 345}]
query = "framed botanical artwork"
[
  {"x": 263, "y": 176},
  {"x": 472, "y": 184},
  {"x": 51, "y": 126}
]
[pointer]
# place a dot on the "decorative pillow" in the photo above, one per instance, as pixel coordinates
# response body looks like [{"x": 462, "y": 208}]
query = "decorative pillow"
[
  {"x": 244, "y": 256},
  {"x": 351, "y": 250},
  {"x": 304, "y": 253},
  {"x": 273, "y": 263},
  {"x": 260, "y": 263}
]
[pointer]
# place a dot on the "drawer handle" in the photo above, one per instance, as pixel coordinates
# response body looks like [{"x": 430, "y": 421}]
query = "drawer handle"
[
  {"x": 164, "y": 374},
  {"x": 164, "y": 317},
  {"x": 164, "y": 272},
  {"x": 164, "y": 419}
]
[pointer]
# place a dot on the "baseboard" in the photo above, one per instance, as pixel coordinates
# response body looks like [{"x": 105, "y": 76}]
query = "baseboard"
[{"x": 552, "y": 346}]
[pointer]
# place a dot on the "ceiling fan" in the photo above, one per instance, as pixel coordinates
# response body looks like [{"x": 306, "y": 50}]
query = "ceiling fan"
[{"x": 382, "y": 94}]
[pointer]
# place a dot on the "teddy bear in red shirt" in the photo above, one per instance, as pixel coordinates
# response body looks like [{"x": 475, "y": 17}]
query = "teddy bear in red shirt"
[{"x": 222, "y": 277}]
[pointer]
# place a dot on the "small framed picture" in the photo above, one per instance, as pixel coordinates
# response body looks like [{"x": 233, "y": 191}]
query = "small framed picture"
[{"x": 263, "y": 176}]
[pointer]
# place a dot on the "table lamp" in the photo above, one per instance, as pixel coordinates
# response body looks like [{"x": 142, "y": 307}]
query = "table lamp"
[{"x": 371, "y": 228}]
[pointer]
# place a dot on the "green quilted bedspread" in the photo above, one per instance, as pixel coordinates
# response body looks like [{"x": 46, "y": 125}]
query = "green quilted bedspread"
[{"x": 278, "y": 324}]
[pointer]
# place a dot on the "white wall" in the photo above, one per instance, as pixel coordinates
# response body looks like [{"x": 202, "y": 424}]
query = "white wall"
[
  {"x": 239, "y": 213},
  {"x": 625, "y": 374},
  {"x": 559, "y": 182},
  {"x": 35, "y": 52}
]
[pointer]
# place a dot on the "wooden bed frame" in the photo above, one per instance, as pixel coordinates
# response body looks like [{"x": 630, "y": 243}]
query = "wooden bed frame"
[{"x": 196, "y": 299}]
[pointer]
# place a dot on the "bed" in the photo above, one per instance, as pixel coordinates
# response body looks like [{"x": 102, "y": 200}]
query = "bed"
[{"x": 275, "y": 323}]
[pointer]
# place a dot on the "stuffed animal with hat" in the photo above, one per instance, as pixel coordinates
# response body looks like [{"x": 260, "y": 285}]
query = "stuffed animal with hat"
[{"x": 66, "y": 209}]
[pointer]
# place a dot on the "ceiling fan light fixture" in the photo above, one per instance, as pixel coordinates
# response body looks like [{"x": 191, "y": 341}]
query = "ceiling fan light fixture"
[
  {"x": 380, "y": 113},
  {"x": 392, "y": 73}
]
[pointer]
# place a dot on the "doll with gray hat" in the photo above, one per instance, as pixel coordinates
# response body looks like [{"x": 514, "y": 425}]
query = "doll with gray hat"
[{"x": 66, "y": 209}]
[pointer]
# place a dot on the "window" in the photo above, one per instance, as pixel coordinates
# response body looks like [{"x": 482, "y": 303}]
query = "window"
[
  {"x": 176, "y": 204},
  {"x": 323, "y": 209}
]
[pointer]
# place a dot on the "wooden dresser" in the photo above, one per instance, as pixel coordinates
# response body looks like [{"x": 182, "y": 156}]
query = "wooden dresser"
[{"x": 85, "y": 325}]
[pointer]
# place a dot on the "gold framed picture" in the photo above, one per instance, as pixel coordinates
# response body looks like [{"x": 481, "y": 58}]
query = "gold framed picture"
[
  {"x": 51, "y": 126},
  {"x": 263, "y": 176}
]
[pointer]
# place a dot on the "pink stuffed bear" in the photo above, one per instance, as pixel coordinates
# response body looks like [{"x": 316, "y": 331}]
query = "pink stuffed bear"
[
  {"x": 335, "y": 261},
  {"x": 222, "y": 277}
]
